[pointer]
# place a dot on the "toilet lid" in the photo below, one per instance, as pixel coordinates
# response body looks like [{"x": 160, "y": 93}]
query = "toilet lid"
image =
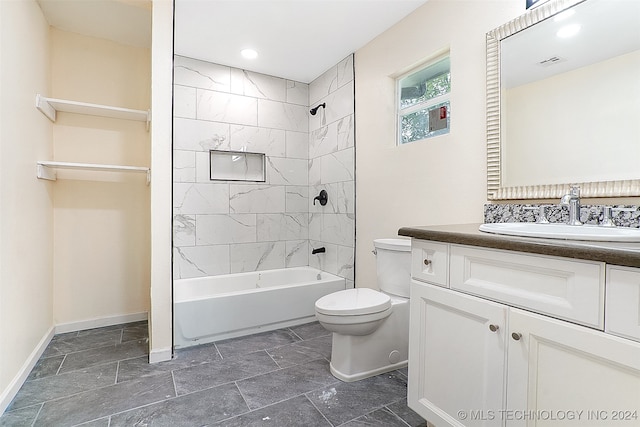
[{"x": 353, "y": 302}]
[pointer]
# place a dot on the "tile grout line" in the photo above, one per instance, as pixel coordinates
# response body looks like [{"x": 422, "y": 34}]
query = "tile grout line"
[
  {"x": 397, "y": 416},
  {"x": 173, "y": 380},
  {"x": 115, "y": 381},
  {"x": 64, "y": 357},
  {"x": 316, "y": 407},
  {"x": 218, "y": 350},
  {"x": 37, "y": 415}
]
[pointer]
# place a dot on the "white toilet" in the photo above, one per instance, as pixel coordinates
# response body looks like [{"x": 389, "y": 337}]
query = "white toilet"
[{"x": 371, "y": 328}]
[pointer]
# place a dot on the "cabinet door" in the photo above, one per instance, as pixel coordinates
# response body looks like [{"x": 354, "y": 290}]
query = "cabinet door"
[
  {"x": 562, "y": 374},
  {"x": 622, "y": 313},
  {"x": 456, "y": 357}
]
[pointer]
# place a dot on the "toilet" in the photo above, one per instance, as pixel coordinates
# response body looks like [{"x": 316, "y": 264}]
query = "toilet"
[{"x": 371, "y": 328}]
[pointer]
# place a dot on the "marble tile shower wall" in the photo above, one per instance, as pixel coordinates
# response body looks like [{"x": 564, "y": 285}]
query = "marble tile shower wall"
[
  {"x": 225, "y": 227},
  {"x": 332, "y": 168}
]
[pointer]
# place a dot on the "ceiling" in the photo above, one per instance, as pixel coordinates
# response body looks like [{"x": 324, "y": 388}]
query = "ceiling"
[
  {"x": 123, "y": 21},
  {"x": 295, "y": 39}
]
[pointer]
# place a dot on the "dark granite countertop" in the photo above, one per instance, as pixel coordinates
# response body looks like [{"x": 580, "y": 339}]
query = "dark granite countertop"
[{"x": 625, "y": 254}]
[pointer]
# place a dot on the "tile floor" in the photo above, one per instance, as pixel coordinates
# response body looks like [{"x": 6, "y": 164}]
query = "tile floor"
[{"x": 101, "y": 378}]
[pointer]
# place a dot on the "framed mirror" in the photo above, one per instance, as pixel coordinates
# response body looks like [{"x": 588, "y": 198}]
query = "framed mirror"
[{"x": 563, "y": 101}]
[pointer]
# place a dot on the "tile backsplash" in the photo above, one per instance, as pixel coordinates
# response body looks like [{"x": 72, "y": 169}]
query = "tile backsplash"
[{"x": 590, "y": 214}]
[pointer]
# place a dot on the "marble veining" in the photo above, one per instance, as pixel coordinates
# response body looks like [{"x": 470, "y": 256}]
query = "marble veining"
[
  {"x": 229, "y": 226},
  {"x": 263, "y": 86}
]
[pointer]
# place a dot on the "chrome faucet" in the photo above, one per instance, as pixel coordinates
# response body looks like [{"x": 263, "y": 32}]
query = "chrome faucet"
[{"x": 572, "y": 199}]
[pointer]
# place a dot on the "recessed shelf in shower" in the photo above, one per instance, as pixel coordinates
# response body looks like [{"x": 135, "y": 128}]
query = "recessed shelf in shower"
[{"x": 237, "y": 166}]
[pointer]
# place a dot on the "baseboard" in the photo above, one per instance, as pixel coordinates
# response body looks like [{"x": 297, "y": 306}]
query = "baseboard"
[
  {"x": 10, "y": 392},
  {"x": 99, "y": 322},
  {"x": 161, "y": 355}
]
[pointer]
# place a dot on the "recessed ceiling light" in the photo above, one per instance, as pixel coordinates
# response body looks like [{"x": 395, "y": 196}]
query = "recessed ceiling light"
[
  {"x": 568, "y": 31},
  {"x": 249, "y": 53}
]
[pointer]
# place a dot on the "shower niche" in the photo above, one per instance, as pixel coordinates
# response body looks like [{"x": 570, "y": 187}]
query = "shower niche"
[{"x": 236, "y": 166}]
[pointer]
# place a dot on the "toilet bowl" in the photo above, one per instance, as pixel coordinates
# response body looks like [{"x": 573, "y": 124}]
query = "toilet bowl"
[{"x": 371, "y": 328}]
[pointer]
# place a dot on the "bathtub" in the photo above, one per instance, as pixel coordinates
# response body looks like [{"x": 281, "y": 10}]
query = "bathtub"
[{"x": 213, "y": 308}]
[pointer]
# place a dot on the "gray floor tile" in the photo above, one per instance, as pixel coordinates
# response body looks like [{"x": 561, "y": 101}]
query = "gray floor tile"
[
  {"x": 195, "y": 409},
  {"x": 54, "y": 387},
  {"x": 102, "y": 422},
  {"x": 216, "y": 382},
  {"x": 71, "y": 344},
  {"x": 212, "y": 374},
  {"x": 404, "y": 371},
  {"x": 343, "y": 402},
  {"x": 310, "y": 330},
  {"x": 135, "y": 332},
  {"x": 380, "y": 418},
  {"x": 401, "y": 409},
  {"x": 97, "y": 356},
  {"x": 297, "y": 411},
  {"x": 321, "y": 344},
  {"x": 119, "y": 327},
  {"x": 285, "y": 383},
  {"x": 102, "y": 402},
  {"x": 46, "y": 367},
  {"x": 20, "y": 417},
  {"x": 294, "y": 354},
  {"x": 191, "y": 356},
  {"x": 251, "y": 343}
]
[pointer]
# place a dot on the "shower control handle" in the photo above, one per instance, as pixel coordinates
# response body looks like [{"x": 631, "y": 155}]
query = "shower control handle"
[{"x": 322, "y": 198}]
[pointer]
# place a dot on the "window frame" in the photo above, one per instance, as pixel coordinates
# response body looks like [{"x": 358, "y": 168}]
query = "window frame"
[{"x": 427, "y": 104}]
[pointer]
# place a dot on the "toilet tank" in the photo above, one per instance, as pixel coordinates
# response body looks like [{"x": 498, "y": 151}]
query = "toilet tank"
[{"x": 393, "y": 262}]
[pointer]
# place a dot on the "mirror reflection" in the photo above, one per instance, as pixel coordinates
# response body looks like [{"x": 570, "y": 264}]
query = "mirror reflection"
[{"x": 570, "y": 97}]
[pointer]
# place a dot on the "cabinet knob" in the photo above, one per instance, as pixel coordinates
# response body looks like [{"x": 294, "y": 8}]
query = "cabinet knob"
[
  {"x": 427, "y": 261},
  {"x": 494, "y": 328},
  {"x": 516, "y": 336}
]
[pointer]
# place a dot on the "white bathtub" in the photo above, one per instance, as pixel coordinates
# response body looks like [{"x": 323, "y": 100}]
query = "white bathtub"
[{"x": 208, "y": 309}]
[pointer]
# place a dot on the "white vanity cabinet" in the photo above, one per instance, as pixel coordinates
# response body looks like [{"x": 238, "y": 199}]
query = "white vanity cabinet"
[
  {"x": 457, "y": 355},
  {"x": 623, "y": 302},
  {"x": 492, "y": 360}
]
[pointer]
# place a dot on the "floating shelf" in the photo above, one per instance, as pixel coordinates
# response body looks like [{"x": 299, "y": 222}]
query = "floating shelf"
[
  {"x": 45, "y": 169},
  {"x": 49, "y": 107}
]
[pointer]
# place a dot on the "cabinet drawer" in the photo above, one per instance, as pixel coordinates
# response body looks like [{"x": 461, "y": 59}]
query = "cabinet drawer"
[
  {"x": 622, "y": 313},
  {"x": 559, "y": 287},
  {"x": 430, "y": 262}
]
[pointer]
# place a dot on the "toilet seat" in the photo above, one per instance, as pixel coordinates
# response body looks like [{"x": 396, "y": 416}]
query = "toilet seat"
[{"x": 353, "y": 302}]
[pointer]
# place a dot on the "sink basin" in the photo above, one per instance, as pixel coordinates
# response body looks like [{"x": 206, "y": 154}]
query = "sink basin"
[{"x": 563, "y": 231}]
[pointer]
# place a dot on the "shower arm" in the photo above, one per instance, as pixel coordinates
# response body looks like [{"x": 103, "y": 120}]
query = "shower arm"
[{"x": 315, "y": 109}]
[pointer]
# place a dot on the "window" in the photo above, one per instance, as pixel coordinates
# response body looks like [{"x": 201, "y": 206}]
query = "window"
[{"x": 423, "y": 101}]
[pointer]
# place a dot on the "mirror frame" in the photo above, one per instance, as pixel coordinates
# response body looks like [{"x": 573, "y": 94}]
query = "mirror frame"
[{"x": 495, "y": 190}]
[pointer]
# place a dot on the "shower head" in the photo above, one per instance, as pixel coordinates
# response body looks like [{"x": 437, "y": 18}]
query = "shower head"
[{"x": 314, "y": 110}]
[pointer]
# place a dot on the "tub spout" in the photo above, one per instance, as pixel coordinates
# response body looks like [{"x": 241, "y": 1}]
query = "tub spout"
[{"x": 318, "y": 251}]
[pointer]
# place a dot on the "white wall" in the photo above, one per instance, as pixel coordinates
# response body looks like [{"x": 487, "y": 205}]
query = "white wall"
[
  {"x": 26, "y": 224},
  {"x": 595, "y": 126},
  {"x": 440, "y": 180},
  {"x": 101, "y": 220},
  {"x": 160, "y": 316}
]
